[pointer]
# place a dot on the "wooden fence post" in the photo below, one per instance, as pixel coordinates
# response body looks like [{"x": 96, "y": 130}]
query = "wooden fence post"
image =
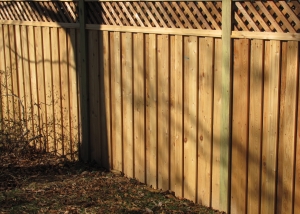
[
  {"x": 225, "y": 135},
  {"x": 83, "y": 86}
]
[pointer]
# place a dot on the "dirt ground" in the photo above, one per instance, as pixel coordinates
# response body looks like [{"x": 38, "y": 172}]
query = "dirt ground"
[{"x": 44, "y": 183}]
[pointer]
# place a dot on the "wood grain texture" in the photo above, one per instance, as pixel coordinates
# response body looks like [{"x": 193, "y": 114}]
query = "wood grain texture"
[
  {"x": 94, "y": 96},
  {"x": 216, "y": 161},
  {"x": 127, "y": 94},
  {"x": 163, "y": 133},
  {"x": 255, "y": 126},
  {"x": 116, "y": 101},
  {"x": 270, "y": 126},
  {"x": 205, "y": 118},
  {"x": 190, "y": 116},
  {"x": 287, "y": 134},
  {"x": 139, "y": 106},
  {"x": 151, "y": 111},
  {"x": 176, "y": 97},
  {"x": 240, "y": 126}
]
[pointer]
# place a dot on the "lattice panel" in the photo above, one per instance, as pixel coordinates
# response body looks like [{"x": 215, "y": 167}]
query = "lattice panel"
[
  {"x": 269, "y": 16},
  {"x": 191, "y": 15},
  {"x": 39, "y": 11}
]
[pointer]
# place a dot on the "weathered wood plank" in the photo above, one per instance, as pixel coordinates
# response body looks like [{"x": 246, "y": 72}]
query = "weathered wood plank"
[
  {"x": 107, "y": 156},
  {"x": 226, "y": 104},
  {"x": 139, "y": 106},
  {"x": 270, "y": 126},
  {"x": 216, "y": 163},
  {"x": 151, "y": 112},
  {"x": 40, "y": 84},
  {"x": 127, "y": 95},
  {"x": 205, "y": 118},
  {"x": 190, "y": 116},
  {"x": 255, "y": 126},
  {"x": 163, "y": 130},
  {"x": 116, "y": 101},
  {"x": 287, "y": 134},
  {"x": 56, "y": 89},
  {"x": 177, "y": 90},
  {"x": 94, "y": 96},
  {"x": 73, "y": 86},
  {"x": 240, "y": 126}
]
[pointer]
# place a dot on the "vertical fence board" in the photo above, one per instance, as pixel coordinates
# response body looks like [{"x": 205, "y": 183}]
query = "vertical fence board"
[
  {"x": 190, "y": 116},
  {"x": 27, "y": 88},
  {"x": 297, "y": 154},
  {"x": 56, "y": 90},
  {"x": 255, "y": 126},
  {"x": 33, "y": 80},
  {"x": 139, "y": 106},
  {"x": 151, "y": 112},
  {"x": 205, "y": 96},
  {"x": 216, "y": 164},
  {"x": 14, "y": 72},
  {"x": 65, "y": 96},
  {"x": 94, "y": 95},
  {"x": 107, "y": 92},
  {"x": 8, "y": 100},
  {"x": 116, "y": 100},
  {"x": 287, "y": 135},
  {"x": 73, "y": 83},
  {"x": 270, "y": 125},
  {"x": 163, "y": 110},
  {"x": 48, "y": 87},
  {"x": 240, "y": 126},
  {"x": 20, "y": 77},
  {"x": 2, "y": 77},
  {"x": 40, "y": 84},
  {"x": 127, "y": 95},
  {"x": 177, "y": 115}
]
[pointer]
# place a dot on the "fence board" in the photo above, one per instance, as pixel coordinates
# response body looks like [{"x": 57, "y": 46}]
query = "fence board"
[
  {"x": 270, "y": 126},
  {"x": 94, "y": 95},
  {"x": 40, "y": 84},
  {"x": 176, "y": 78},
  {"x": 139, "y": 106},
  {"x": 107, "y": 88},
  {"x": 56, "y": 90},
  {"x": 73, "y": 113},
  {"x": 190, "y": 116},
  {"x": 287, "y": 135},
  {"x": 240, "y": 125},
  {"x": 216, "y": 155},
  {"x": 163, "y": 53},
  {"x": 255, "y": 126},
  {"x": 48, "y": 87},
  {"x": 116, "y": 100},
  {"x": 205, "y": 100},
  {"x": 127, "y": 95},
  {"x": 2, "y": 78},
  {"x": 151, "y": 111},
  {"x": 33, "y": 81}
]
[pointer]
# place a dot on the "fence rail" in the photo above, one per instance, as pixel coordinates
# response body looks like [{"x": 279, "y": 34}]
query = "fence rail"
[{"x": 209, "y": 112}]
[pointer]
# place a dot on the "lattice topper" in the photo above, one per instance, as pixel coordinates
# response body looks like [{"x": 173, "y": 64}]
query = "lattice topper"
[
  {"x": 39, "y": 11},
  {"x": 256, "y": 16},
  {"x": 267, "y": 16},
  {"x": 193, "y": 15}
]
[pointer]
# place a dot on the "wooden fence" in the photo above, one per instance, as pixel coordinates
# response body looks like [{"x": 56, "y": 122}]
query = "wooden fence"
[{"x": 179, "y": 95}]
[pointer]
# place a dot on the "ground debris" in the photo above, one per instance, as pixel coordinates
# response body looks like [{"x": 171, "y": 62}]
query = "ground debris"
[{"x": 45, "y": 183}]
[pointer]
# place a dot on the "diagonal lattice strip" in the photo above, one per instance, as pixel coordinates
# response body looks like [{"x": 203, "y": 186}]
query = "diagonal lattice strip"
[{"x": 267, "y": 16}]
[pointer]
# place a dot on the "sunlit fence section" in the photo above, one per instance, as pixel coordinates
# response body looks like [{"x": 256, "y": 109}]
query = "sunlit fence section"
[{"x": 199, "y": 97}]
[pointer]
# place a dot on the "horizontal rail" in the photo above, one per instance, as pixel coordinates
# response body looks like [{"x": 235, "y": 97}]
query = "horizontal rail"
[
  {"x": 171, "y": 31},
  {"x": 131, "y": 0},
  {"x": 266, "y": 35}
]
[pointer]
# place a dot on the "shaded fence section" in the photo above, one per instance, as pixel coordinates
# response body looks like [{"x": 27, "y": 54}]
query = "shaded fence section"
[{"x": 161, "y": 77}]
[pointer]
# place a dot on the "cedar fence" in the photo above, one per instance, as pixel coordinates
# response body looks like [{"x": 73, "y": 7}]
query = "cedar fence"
[{"x": 198, "y": 97}]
